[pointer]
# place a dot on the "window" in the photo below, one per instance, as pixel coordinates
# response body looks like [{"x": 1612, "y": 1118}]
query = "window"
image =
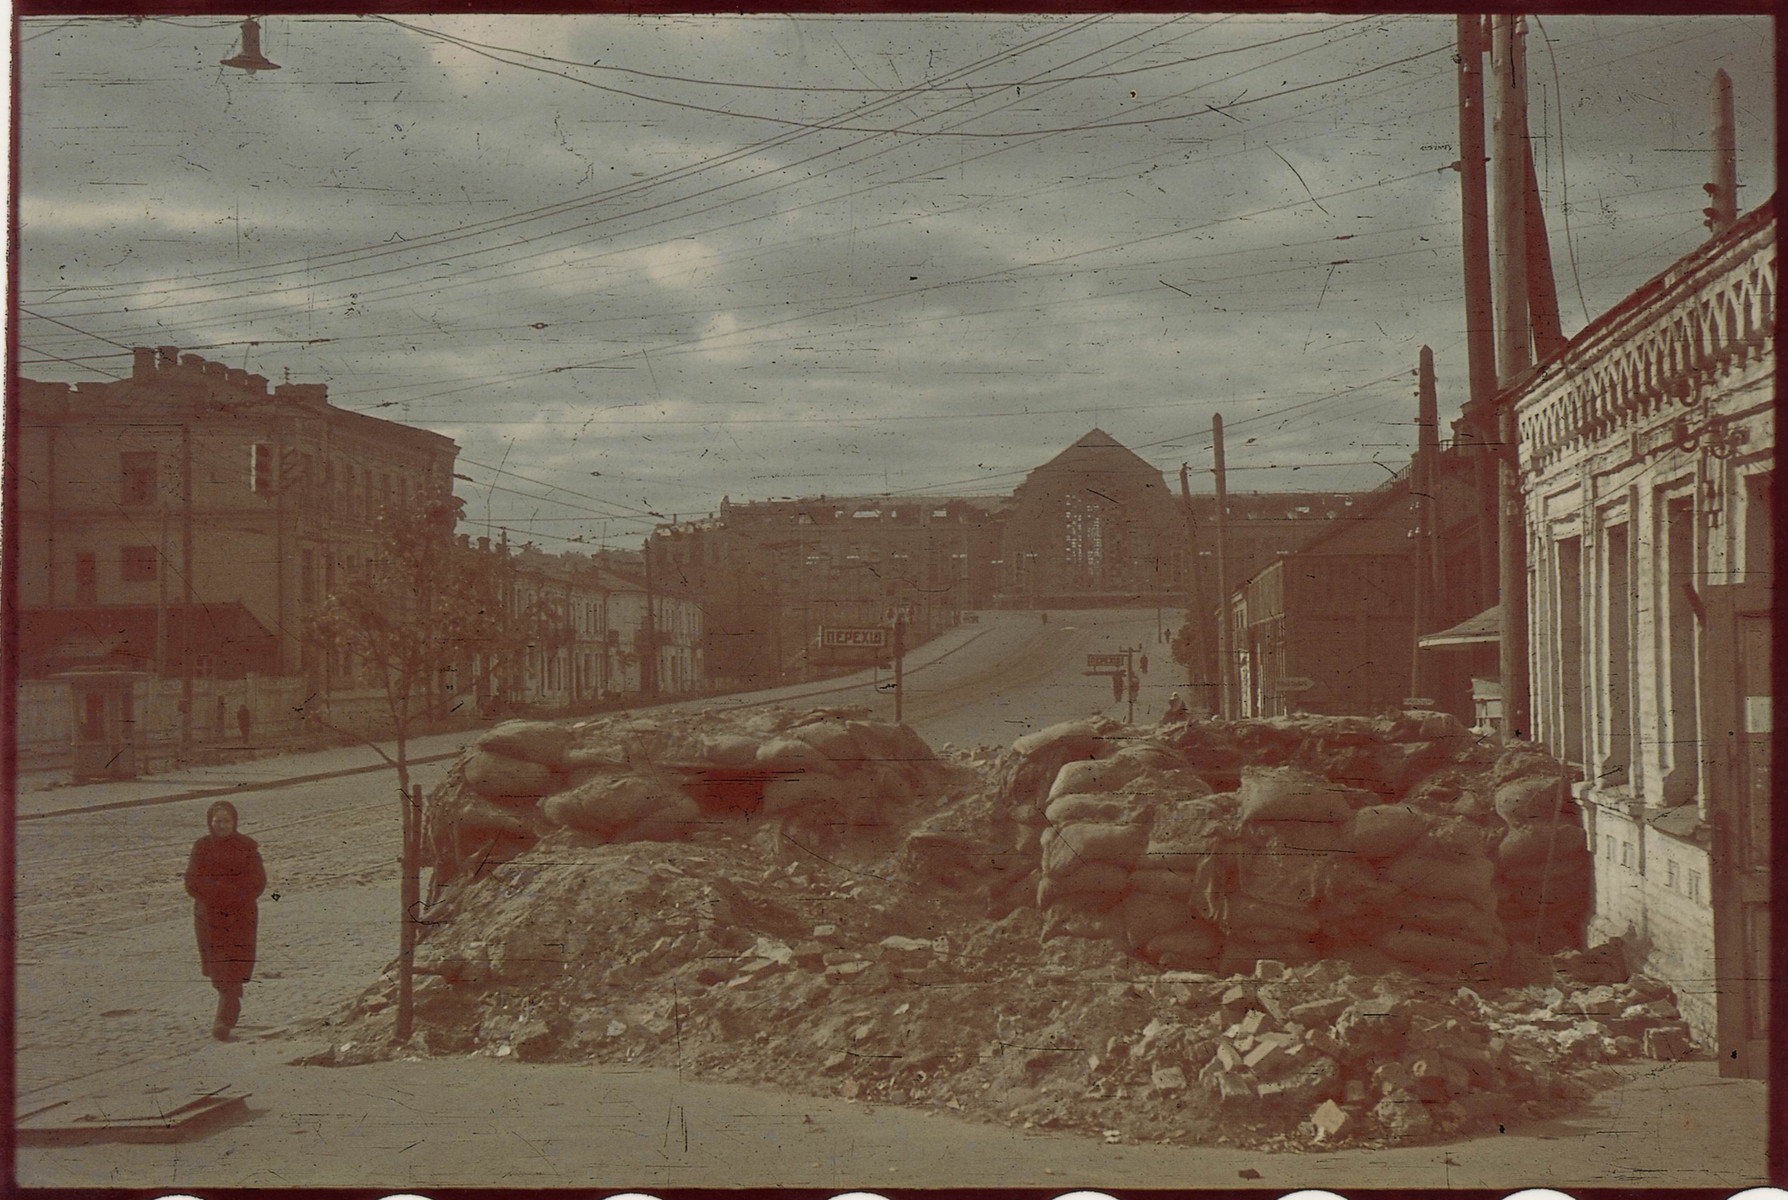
[
  {"x": 86, "y": 579},
  {"x": 260, "y": 468},
  {"x": 1617, "y": 661},
  {"x": 138, "y": 470},
  {"x": 1570, "y": 647},
  {"x": 1759, "y": 525},
  {"x": 1694, "y": 885},
  {"x": 1670, "y": 874},
  {"x": 136, "y": 564}
]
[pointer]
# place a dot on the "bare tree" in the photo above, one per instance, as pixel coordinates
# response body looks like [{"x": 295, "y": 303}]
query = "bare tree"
[{"x": 425, "y": 605}]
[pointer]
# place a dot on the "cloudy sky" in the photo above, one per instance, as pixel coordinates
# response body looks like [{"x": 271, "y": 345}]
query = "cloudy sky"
[{"x": 635, "y": 264}]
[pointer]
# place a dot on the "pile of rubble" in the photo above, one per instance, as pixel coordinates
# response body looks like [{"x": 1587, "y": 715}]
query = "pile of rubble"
[{"x": 1096, "y": 928}]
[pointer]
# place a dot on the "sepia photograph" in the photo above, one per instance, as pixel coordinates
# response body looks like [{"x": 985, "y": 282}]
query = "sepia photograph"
[{"x": 882, "y": 600}]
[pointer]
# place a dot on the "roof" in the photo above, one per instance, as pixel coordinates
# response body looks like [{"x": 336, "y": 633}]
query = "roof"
[{"x": 1473, "y": 631}]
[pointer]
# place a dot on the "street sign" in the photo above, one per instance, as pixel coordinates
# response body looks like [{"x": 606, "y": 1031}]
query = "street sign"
[
  {"x": 873, "y": 637},
  {"x": 1296, "y": 683},
  {"x": 1105, "y": 660}
]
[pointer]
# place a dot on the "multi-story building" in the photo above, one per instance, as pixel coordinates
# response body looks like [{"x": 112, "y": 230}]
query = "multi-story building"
[
  {"x": 1646, "y": 449},
  {"x": 1094, "y": 526},
  {"x": 597, "y": 644},
  {"x": 185, "y": 522}
]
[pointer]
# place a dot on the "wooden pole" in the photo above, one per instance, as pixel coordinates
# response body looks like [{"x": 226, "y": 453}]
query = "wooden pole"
[
  {"x": 1509, "y": 160},
  {"x": 410, "y": 896},
  {"x": 1422, "y": 480},
  {"x": 1198, "y": 671},
  {"x": 1225, "y": 695},
  {"x": 186, "y": 622},
  {"x": 899, "y": 670},
  {"x": 1542, "y": 287},
  {"x": 1480, "y": 325},
  {"x": 1722, "y": 210}
]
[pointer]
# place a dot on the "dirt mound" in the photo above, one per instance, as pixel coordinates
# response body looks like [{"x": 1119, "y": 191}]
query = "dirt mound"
[{"x": 978, "y": 956}]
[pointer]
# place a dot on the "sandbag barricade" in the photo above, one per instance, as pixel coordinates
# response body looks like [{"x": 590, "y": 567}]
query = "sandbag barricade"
[
  {"x": 828, "y": 774},
  {"x": 1294, "y": 866}
]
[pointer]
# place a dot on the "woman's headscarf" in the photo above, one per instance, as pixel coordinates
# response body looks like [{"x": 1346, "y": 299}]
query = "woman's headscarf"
[{"x": 223, "y": 806}]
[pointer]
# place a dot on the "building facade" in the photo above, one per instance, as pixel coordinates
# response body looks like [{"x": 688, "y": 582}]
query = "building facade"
[
  {"x": 1646, "y": 449},
  {"x": 182, "y": 525}
]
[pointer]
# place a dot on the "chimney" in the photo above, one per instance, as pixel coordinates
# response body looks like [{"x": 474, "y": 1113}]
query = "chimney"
[
  {"x": 142, "y": 362},
  {"x": 256, "y": 384},
  {"x": 484, "y": 545},
  {"x": 169, "y": 356}
]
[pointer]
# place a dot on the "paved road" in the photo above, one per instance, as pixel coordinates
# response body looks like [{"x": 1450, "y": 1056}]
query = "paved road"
[{"x": 110, "y": 1005}]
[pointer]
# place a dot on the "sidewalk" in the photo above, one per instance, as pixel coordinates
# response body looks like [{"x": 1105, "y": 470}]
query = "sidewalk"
[
  {"x": 224, "y": 779},
  {"x": 496, "y": 1122}
]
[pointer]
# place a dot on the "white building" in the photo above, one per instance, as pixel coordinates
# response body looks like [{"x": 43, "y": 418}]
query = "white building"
[{"x": 1645, "y": 451}]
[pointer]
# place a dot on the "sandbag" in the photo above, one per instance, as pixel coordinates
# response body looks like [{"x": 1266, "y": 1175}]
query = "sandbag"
[
  {"x": 1094, "y": 842},
  {"x": 508, "y": 780},
  {"x": 1280, "y": 877},
  {"x": 1530, "y": 845},
  {"x": 1443, "y": 878},
  {"x": 605, "y": 806},
  {"x": 1093, "y": 776},
  {"x": 674, "y": 821},
  {"x": 1077, "y": 807},
  {"x": 1146, "y": 915},
  {"x": 1151, "y": 756},
  {"x": 1291, "y": 794},
  {"x": 541, "y": 742},
  {"x": 1437, "y": 952},
  {"x": 1245, "y": 917},
  {"x": 832, "y": 739},
  {"x": 1452, "y": 918},
  {"x": 1381, "y": 831},
  {"x": 730, "y": 750},
  {"x": 1099, "y": 887},
  {"x": 1086, "y": 736},
  {"x": 1190, "y": 947},
  {"x": 1162, "y": 881},
  {"x": 794, "y": 757},
  {"x": 1158, "y": 786},
  {"x": 1530, "y": 798}
]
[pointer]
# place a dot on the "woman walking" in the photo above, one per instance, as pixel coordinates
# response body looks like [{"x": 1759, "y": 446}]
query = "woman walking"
[{"x": 224, "y": 876}]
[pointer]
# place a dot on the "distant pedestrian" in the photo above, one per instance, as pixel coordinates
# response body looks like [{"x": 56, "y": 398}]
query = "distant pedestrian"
[
  {"x": 224, "y": 876},
  {"x": 1176, "y": 709},
  {"x": 245, "y": 721}
]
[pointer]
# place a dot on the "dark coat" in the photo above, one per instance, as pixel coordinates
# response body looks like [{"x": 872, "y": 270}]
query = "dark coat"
[{"x": 224, "y": 877}]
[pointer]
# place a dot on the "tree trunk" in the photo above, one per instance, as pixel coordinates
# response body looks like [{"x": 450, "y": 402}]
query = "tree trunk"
[{"x": 410, "y": 798}]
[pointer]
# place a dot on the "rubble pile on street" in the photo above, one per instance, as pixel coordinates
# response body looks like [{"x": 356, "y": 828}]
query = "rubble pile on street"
[
  {"x": 1391, "y": 842},
  {"x": 1080, "y": 933},
  {"x": 824, "y": 776}
]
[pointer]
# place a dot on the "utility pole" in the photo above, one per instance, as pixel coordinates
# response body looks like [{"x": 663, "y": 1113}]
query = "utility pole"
[
  {"x": 899, "y": 669},
  {"x": 1480, "y": 325},
  {"x": 186, "y": 622},
  {"x": 1198, "y": 671},
  {"x": 1224, "y": 690},
  {"x": 1722, "y": 210},
  {"x": 1422, "y": 479},
  {"x": 648, "y": 657},
  {"x": 1509, "y": 160},
  {"x": 1542, "y": 288}
]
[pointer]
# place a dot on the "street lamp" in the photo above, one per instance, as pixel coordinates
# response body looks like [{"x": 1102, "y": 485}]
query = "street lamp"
[{"x": 251, "y": 59}]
